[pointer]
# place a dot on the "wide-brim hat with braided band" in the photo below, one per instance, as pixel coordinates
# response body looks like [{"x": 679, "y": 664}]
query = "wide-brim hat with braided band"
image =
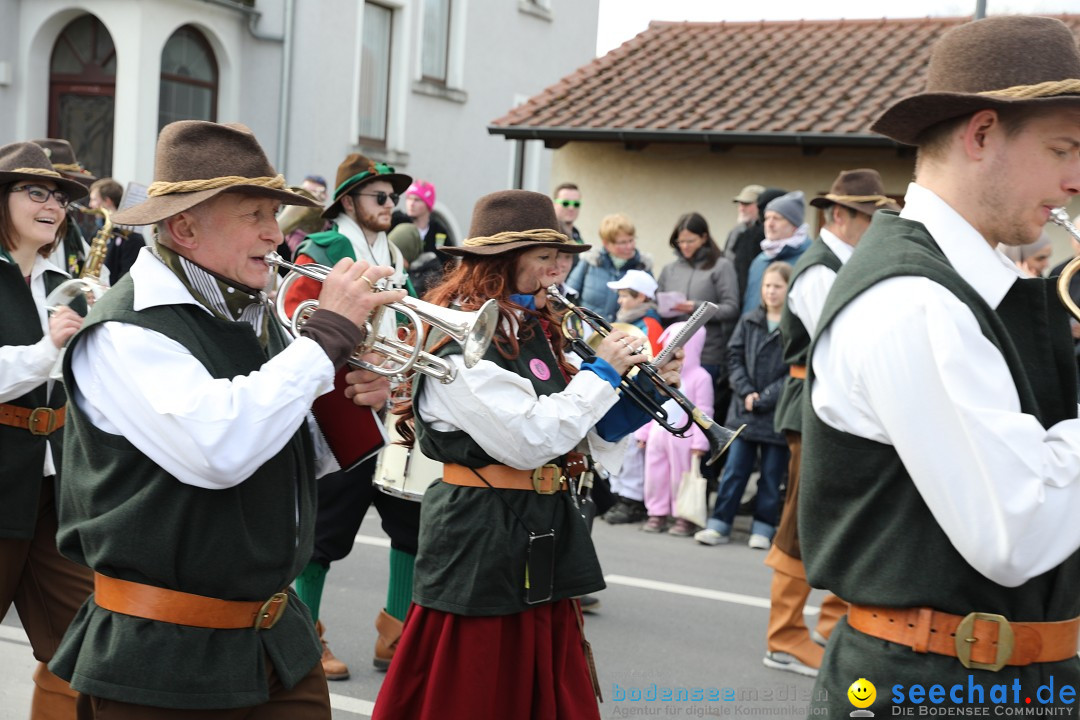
[
  {"x": 355, "y": 171},
  {"x": 197, "y": 160},
  {"x": 859, "y": 190},
  {"x": 62, "y": 156},
  {"x": 998, "y": 62},
  {"x": 28, "y": 161},
  {"x": 513, "y": 220}
]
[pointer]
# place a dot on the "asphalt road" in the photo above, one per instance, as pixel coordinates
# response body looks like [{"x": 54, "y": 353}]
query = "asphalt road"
[{"x": 675, "y": 616}]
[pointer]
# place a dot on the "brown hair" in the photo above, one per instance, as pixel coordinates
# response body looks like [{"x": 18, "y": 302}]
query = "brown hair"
[
  {"x": 469, "y": 285},
  {"x": 614, "y": 224},
  {"x": 695, "y": 223},
  {"x": 934, "y": 140},
  {"x": 564, "y": 186},
  {"x": 109, "y": 188},
  {"x": 8, "y": 239}
]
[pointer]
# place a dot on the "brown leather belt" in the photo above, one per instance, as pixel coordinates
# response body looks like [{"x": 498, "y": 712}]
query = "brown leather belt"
[
  {"x": 797, "y": 371},
  {"x": 181, "y": 608},
  {"x": 982, "y": 641},
  {"x": 39, "y": 421},
  {"x": 545, "y": 480}
]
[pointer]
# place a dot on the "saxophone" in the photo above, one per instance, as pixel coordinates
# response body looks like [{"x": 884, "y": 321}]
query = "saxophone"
[{"x": 88, "y": 284}]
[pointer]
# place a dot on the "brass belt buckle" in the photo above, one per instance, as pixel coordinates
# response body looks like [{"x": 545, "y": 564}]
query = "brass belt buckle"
[
  {"x": 965, "y": 638},
  {"x": 271, "y": 610},
  {"x": 555, "y": 479},
  {"x": 50, "y": 423}
]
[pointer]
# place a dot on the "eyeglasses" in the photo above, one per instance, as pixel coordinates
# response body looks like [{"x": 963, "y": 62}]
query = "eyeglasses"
[
  {"x": 569, "y": 203},
  {"x": 380, "y": 197},
  {"x": 40, "y": 195}
]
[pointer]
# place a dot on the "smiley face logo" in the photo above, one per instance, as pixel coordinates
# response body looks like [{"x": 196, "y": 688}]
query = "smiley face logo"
[{"x": 862, "y": 693}]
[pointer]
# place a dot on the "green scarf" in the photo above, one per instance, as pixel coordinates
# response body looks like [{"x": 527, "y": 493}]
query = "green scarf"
[{"x": 225, "y": 299}]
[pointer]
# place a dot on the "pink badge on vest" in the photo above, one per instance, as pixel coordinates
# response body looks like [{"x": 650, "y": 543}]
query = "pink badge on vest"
[{"x": 539, "y": 369}]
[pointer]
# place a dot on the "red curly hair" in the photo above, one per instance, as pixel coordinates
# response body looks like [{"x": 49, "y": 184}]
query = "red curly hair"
[{"x": 477, "y": 279}]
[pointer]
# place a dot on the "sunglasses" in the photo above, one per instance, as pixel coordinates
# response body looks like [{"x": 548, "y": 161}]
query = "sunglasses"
[
  {"x": 569, "y": 203},
  {"x": 40, "y": 195},
  {"x": 381, "y": 197}
]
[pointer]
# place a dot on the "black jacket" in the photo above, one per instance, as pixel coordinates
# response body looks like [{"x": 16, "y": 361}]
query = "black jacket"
[{"x": 756, "y": 362}]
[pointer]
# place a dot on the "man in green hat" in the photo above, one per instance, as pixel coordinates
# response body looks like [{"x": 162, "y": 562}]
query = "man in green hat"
[
  {"x": 941, "y": 447},
  {"x": 196, "y": 465},
  {"x": 364, "y": 199}
]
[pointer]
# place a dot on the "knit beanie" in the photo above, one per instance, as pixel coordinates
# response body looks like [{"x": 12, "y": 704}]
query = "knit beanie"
[{"x": 792, "y": 206}]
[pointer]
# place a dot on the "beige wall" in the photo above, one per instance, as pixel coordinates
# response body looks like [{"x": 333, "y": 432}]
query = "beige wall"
[{"x": 654, "y": 186}]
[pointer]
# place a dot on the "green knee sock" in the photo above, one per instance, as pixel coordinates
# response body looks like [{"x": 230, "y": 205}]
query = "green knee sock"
[
  {"x": 399, "y": 594},
  {"x": 309, "y": 586}
]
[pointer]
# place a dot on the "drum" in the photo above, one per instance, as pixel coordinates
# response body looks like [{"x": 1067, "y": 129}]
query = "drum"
[{"x": 404, "y": 472}]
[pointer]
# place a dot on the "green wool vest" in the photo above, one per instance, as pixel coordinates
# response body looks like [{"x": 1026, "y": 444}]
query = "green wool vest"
[
  {"x": 797, "y": 340},
  {"x": 472, "y": 548},
  {"x": 326, "y": 247},
  {"x": 126, "y": 517},
  {"x": 866, "y": 533},
  {"x": 23, "y": 453}
]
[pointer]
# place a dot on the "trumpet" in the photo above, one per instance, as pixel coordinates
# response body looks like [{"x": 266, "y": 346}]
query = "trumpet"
[
  {"x": 472, "y": 330},
  {"x": 719, "y": 437},
  {"x": 1059, "y": 217}
]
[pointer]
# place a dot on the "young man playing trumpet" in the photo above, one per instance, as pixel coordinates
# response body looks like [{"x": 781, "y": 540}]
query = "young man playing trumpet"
[
  {"x": 188, "y": 433},
  {"x": 941, "y": 451}
]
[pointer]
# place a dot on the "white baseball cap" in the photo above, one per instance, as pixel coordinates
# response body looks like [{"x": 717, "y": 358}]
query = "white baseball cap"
[{"x": 638, "y": 280}]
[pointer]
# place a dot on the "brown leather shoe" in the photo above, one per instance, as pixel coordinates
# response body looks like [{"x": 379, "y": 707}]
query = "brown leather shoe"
[
  {"x": 389, "y": 628},
  {"x": 333, "y": 668}
]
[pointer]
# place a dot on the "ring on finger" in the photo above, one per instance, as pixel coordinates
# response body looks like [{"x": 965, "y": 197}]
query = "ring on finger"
[{"x": 370, "y": 284}]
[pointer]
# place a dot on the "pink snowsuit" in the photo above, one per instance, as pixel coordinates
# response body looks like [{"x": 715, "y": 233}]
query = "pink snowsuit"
[{"x": 667, "y": 457}]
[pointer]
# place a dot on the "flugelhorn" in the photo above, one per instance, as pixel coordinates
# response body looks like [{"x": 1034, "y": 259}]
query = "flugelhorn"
[
  {"x": 719, "y": 437},
  {"x": 472, "y": 330},
  {"x": 1059, "y": 217}
]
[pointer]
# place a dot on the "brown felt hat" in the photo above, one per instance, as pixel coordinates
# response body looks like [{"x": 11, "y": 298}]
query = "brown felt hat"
[
  {"x": 28, "y": 161},
  {"x": 513, "y": 220},
  {"x": 355, "y": 172},
  {"x": 62, "y": 157},
  {"x": 197, "y": 160},
  {"x": 998, "y": 62},
  {"x": 859, "y": 190}
]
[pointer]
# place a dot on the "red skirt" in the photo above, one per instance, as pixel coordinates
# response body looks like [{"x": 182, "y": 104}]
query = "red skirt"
[{"x": 456, "y": 667}]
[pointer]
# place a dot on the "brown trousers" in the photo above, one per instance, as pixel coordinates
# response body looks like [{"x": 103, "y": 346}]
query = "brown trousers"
[
  {"x": 47, "y": 590},
  {"x": 309, "y": 699},
  {"x": 787, "y": 631}
]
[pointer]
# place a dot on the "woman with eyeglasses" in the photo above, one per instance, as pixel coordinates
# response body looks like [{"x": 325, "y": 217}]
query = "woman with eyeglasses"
[
  {"x": 598, "y": 267},
  {"x": 46, "y": 588},
  {"x": 702, "y": 274}
]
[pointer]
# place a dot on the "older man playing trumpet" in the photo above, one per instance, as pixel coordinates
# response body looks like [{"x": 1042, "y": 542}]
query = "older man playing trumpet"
[{"x": 195, "y": 461}]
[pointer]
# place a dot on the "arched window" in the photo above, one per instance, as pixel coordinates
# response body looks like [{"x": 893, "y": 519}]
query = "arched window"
[
  {"x": 82, "y": 87},
  {"x": 189, "y": 78}
]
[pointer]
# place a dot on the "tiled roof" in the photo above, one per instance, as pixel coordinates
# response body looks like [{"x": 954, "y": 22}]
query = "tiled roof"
[{"x": 811, "y": 82}]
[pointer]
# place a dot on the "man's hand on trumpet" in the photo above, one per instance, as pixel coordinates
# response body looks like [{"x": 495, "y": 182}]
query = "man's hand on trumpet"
[
  {"x": 366, "y": 387},
  {"x": 349, "y": 290}
]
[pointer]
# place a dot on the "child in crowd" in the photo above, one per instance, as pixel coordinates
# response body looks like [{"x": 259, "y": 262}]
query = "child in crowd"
[
  {"x": 637, "y": 306},
  {"x": 667, "y": 457},
  {"x": 756, "y": 359}
]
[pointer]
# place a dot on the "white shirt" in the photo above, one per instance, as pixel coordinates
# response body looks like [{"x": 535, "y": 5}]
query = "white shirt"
[
  {"x": 207, "y": 432},
  {"x": 807, "y": 297},
  {"x": 501, "y": 411},
  {"x": 382, "y": 252},
  {"x": 905, "y": 364},
  {"x": 24, "y": 367}
]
